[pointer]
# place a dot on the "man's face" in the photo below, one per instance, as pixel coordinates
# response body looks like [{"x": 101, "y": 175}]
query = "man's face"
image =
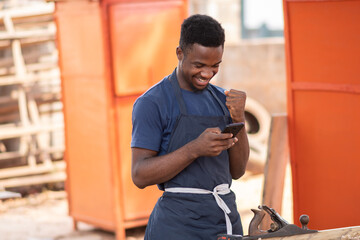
[{"x": 197, "y": 66}]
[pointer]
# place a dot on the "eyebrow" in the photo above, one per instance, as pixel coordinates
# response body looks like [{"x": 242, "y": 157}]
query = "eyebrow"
[{"x": 200, "y": 63}]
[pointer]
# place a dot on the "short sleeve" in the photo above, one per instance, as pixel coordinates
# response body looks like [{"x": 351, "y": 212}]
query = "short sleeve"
[{"x": 147, "y": 127}]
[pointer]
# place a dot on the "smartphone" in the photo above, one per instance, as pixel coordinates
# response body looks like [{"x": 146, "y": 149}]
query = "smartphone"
[{"x": 233, "y": 128}]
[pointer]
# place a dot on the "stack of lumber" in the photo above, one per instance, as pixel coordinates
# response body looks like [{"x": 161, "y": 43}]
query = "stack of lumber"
[{"x": 31, "y": 120}]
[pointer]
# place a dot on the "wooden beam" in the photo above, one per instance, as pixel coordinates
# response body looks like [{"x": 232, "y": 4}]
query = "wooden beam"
[
  {"x": 12, "y": 155},
  {"x": 348, "y": 233},
  {"x": 24, "y": 12},
  {"x": 29, "y": 78},
  {"x": 26, "y": 170},
  {"x": 34, "y": 20},
  {"x": 27, "y": 41},
  {"x": 10, "y": 113},
  {"x": 35, "y": 33},
  {"x": 7, "y": 195},
  {"x": 7, "y": 133},
  {"x": 50, "y": 55},
  {"x": 275, "y": 168},
  {"x": 34, "y": 67},
  {"x": 34, "y": 180},
  {"x": 42, "y": 97}
]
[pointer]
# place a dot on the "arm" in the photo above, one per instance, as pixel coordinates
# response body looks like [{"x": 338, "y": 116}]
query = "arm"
[
  {"x": 148, "y": 168},
  {"x": 239, "y": 153}
]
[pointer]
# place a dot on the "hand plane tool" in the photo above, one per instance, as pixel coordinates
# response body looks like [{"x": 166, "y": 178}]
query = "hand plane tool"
[
  {"x": 278, "y": 228},
  {"x": 229, "y": 237}
]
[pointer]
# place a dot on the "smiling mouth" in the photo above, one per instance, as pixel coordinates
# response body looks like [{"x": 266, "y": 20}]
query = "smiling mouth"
[{"x": 202, "y": 81}]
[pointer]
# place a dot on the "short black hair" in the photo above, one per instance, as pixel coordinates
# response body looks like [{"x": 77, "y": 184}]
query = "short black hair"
[{"x": 203, "y": 30}]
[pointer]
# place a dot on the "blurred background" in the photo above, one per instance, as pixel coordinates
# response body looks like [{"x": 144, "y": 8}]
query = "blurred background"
[
  {"x": 32, "y": 142},
  {"x": 70, "y": 71}
]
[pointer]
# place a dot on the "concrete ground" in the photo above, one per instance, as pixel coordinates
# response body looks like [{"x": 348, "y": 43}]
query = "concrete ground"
[{"x": 45, "y": 216}]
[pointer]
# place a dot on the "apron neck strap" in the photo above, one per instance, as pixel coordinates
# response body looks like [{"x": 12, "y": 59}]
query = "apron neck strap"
[
  {"x": 211, "y": 90},
  {"x": 178, "y": 95}
]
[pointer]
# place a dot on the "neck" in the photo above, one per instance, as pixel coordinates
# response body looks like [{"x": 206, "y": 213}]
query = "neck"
[{"x": 180, "y": 78}]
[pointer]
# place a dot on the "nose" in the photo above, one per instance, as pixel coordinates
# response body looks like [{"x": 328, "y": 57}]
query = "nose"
[{"x": 207, "y": 73}]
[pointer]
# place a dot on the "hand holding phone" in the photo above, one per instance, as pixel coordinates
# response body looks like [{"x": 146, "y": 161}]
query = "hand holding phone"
[{"x": 233, "y": 128}]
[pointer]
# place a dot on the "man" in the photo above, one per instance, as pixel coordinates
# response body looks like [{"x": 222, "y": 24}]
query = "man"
[{"x": 177, "y": 141}]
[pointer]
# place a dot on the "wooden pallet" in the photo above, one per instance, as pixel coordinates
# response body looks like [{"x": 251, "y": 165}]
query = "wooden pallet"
[{"x": 27, "y": 83}]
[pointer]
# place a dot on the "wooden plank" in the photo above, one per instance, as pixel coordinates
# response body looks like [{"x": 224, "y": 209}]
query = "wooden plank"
[
  {"x": 37, "y": 10},
  {"x": 20, "y": 72},
  {"x": 11, "y": 155},
  {"x": 35, "y": 118},
  {"x": 30, "y": 21},
  {"x": 34, "y": 67},
  {"x": 275, "y": 168},
  {"x": 7, "y": 195},
  {"x": 26, "y": 170},
  {"x": 35, "y": 33},
  {"x": 30, "y": 78},
  {"x": 7, "y": 133},
  {"x": 9, "y": 113},
  {"x": 50, "y": 55},
  {"x": 348, "y": 233},
  {"x": 25, "y": 140},
  {"x": 27, "y": 41},
  {"x": 34, "y": 180},
  {"x": 40, "y": 97}
]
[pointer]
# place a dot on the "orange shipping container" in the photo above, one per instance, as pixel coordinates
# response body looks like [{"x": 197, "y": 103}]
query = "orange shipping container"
[
  {"x": 323, "y": 72},
  {"x": 110, "y": 53}
]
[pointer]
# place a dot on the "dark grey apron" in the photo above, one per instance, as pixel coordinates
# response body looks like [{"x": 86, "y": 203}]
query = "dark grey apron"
[{"x": 197, "y": 201}]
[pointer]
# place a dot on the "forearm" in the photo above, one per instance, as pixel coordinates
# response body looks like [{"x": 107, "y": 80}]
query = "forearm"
[
  {"x": 149, "y": 169},
  {"x": 159, "y": 169},
  {"x": 239, "y": 155}
]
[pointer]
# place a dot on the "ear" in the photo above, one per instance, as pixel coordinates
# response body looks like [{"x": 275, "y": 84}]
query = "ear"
[{"x": 179, "y": 54}]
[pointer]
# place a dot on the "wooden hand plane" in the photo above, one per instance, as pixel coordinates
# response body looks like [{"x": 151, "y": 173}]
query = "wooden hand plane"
[{"x": 278, "y": 228}]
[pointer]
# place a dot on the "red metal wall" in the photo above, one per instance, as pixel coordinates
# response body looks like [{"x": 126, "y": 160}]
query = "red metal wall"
[
  {"x": 323, "y": 72},
  {"x": 110, "y": 53}
]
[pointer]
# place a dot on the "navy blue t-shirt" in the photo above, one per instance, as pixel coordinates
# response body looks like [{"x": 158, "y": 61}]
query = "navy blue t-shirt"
[{"x": 155, "y": 113}]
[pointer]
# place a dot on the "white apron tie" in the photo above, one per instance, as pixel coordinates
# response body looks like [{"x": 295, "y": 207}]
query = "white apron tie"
[{"x": 221, "y": 189}]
